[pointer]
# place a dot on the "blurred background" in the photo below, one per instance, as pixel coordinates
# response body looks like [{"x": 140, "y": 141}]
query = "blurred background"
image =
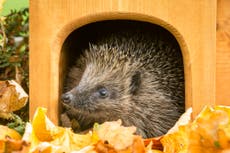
[{"x": 8, "y": 5}]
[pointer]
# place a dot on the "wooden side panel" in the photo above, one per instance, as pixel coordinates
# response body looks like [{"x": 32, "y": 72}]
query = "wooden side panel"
[
  {"x": 192, "y": 23},
  {"x": 223, "y": 53}
]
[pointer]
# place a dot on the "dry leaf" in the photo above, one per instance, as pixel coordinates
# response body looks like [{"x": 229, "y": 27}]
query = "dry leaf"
[
  {"x": 12, "y": 97},
  {"x": 209, "y": 132},
  {"x": 10, "y": 141},
  {"x": 118, "y": 136},
  {"x": 45, "y": 137},
  {"x": 8, "y": 133}
]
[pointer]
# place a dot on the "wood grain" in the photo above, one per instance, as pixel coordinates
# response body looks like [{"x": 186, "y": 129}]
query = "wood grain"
[
  {"x": 223, "y": 53},
  {"x": 193, "y": 24}
]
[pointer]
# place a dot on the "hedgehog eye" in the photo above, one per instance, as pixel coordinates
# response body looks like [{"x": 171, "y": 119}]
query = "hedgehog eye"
[{"x": 103, "y": 92}]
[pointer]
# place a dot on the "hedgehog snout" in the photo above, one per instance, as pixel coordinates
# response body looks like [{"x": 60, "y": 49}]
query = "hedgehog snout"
[{"x": 67, "y": 97}]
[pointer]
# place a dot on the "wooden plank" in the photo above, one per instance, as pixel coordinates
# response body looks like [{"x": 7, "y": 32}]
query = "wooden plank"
[
  {"x": 223, "y": 53},
  {"x": 51, "y": 21}
]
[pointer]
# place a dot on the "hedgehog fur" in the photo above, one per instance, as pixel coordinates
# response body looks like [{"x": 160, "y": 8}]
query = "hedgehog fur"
[{"x": 132, "y": 75}]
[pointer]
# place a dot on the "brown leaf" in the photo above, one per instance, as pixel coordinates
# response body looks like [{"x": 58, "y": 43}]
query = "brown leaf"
[{"x": 12, "y": 96}]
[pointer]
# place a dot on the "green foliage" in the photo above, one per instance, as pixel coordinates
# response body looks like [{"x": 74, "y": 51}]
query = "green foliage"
[
  {"x": 17, "y": 124},
  {"x": 14, "y": 34},
  {"x": 14, "y": 53}
]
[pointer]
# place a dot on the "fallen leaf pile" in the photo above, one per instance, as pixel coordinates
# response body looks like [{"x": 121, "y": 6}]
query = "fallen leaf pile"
[
  {"x": 44, "y": 137},
  {"x": 208, "y": 133}
]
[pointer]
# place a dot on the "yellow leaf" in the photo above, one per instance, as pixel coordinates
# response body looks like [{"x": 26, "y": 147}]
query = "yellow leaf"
[
  {"x": 7, "y": 132},
  {"x": 45, "y": 136},
  {"x": 41, "y": 126},
  {"x": 118, "y": 136},
  {"x": 209, "y": 132}
]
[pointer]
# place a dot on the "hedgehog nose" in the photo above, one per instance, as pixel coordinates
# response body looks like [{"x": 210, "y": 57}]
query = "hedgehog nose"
[{"x": 66, "y": 97}]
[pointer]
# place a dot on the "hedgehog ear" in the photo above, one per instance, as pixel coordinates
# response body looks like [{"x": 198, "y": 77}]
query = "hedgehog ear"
[{"x": 135, "y": 83}]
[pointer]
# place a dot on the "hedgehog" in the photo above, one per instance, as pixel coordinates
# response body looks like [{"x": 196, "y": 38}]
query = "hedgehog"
[{"x": 133, "y": 75}]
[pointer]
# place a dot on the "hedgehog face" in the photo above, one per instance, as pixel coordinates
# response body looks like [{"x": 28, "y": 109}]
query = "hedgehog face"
[
  {"x": 90, "y": 100},
  {"x": 103, "y": 91}
]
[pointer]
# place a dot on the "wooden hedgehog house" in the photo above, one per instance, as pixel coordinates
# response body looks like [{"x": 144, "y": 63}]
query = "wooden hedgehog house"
[{"x": 192, "y": 23}]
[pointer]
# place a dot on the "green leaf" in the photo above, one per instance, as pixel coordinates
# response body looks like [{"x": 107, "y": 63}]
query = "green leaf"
[{"x": 217, "y": 144}]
